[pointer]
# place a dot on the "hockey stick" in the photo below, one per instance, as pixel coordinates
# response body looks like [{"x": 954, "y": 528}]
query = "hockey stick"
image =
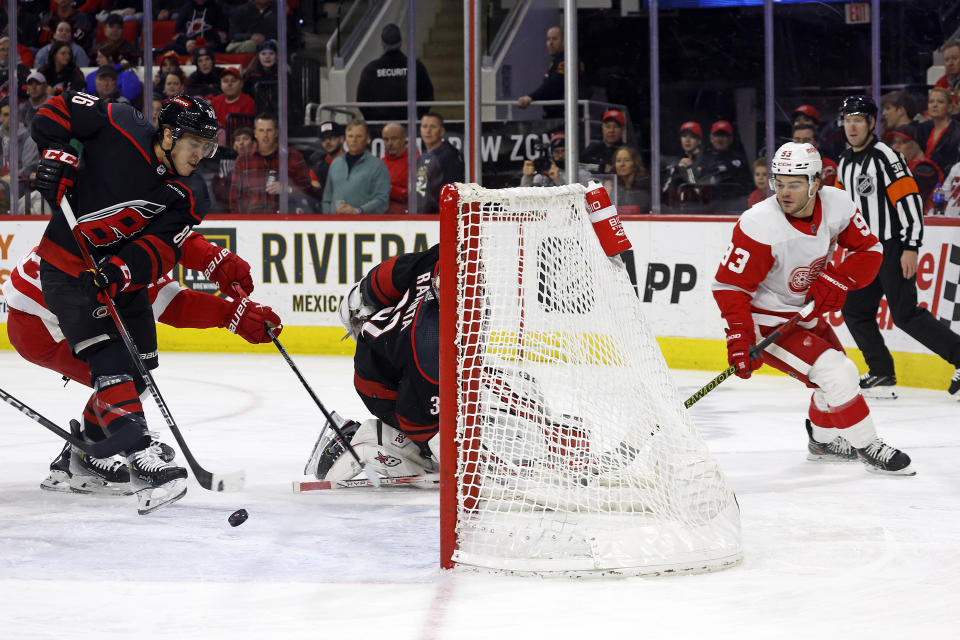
[
  {"x": 302, "y": 486},
  {"x": 374, "y": 478},
  {"x": 754, "y": 353},
  {"x": 101, "y": 449},
  {"x": 210, "y": 481}
]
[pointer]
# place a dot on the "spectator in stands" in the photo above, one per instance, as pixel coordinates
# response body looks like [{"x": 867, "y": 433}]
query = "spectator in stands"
[
  {"x": 166, "y": 9},
  {"x": 760, "y": 181},
  {"x": 243, "y": 142},
  {"x": 806, "y": 114},
  {"x": 440, "y": 163},
  {"x": 395, "y": 157},
  {"x": 552, "y": 86},
  {"x": 173, "y": 84},
  {"x": 682, "y": 178},
  {"x": 128, "y": 54},
  {"x": 200, "y": 23},
  {"x": 61, "y": 72},
  {"x": 552, "y": 173},
  {"x": 128, "y": 80},
  {"x": 633, "y": 179},
  {"x": 807, "y": 133},
  {"x": 725, "y": 167},
  {"x": 331, "y": 140},
  {"x": 358, "y": 181},
  {"x": 262, "y": 73},
  {"x": 951, "y": 64},
  {"x": 29, "y": 155},
  {"x": 232, "y": 99},
  {"x": 167, "y": 63},
  {"x": 251, "y": 25},
  {"x": 255, "y": 187},
  {"x": 205, "y": 80},
  {"x": 22, "y": 71},
  {"x": 898, "y": 109},
  {"x": 63, "y": 32},
  {"x": 107, "y": 85},
  {"x": 157, "y": 105},
  {"x": 940, "y": 135},
  {"x": 385, "y": 80},
  {"x": 926, "y": 173},
  {"x": 82, "y": 25},
  {"x": 600, "y": 153},
  {"x": 36, "y": 96}
]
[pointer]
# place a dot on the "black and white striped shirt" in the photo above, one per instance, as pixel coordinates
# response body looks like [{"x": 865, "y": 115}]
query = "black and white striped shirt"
[{"x": 878, "y": 180}]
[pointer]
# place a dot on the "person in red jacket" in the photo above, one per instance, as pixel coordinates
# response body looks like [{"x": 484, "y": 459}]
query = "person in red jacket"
[
  {"x": 233, "y": 99},
  {"x": 951, "y": 64},
  {"x": 395, "y": 157}
]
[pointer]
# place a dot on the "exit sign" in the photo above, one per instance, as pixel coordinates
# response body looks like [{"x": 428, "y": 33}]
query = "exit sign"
[{"x": 857, "y": 12}]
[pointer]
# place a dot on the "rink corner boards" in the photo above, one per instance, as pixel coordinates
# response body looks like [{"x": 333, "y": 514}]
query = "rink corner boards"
[{"x": 913, "y": 369}]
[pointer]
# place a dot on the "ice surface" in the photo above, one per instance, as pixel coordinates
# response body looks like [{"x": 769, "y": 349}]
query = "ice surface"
[{"x": 830, "y": 550}]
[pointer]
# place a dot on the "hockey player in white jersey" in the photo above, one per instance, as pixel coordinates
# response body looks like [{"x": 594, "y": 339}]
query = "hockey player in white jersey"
[{"x": 778, "y": 259}]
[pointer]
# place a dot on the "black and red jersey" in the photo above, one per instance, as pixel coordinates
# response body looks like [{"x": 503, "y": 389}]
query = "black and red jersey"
[
  {"x": 126, "y": 201},
  {"x": 396, "y": 367}
]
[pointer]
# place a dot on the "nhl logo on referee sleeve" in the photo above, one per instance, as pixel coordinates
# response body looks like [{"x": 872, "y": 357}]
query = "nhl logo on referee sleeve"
[{"x": 865, "y": 184}]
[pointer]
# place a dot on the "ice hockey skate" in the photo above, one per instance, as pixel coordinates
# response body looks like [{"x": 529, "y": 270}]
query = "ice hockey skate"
[
  {"x": 76, "y": 471},
  {"x": 165, "y": 451},
  {"x": 328, "y": 451},
  {"x": 954, "y": 388},
  {"x": 326, "y": 435},
  {"x": 837, "y": 450},
  {"x": 878, "y": 387},
  {"x": 880, "y": 457},
  {"x": 59, "y": 478},
  {"x": 155, "y": 482}
]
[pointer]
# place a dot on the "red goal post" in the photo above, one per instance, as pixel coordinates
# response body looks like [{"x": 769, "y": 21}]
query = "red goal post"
[{"x": 565, "y": 446}]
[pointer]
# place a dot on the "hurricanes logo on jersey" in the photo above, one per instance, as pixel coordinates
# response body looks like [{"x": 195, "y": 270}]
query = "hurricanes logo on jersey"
[
  {"x": 385, "y": 460},
  {"x": 865, "y": 184},
  {"x": 802, "y": 277}
]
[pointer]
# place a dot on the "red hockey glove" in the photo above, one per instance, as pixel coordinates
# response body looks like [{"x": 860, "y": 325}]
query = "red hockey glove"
[
  {"x": 56, "y": 172},
  {"x": 829, "y": 291},
  {"x": 246, "y": 318},
  {"x": 740, "y": 338},
  {"x": 227, "y": 268},
  {"x": 109, "y": 279}
]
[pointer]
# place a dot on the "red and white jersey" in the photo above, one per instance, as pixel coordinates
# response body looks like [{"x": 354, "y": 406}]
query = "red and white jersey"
[
  {"x": 951, "y": 186},
  {"x": 22, "y": 292},
  {"x": 773, "y": 258}
]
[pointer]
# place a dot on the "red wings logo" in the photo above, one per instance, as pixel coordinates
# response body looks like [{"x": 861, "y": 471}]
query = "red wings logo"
[
  {"x": 801, "y": 277},
  {"x": 121, "y": 220}
]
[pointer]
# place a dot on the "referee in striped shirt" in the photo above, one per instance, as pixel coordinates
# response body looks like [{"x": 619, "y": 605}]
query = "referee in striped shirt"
[{"x": 878, "y": 180}]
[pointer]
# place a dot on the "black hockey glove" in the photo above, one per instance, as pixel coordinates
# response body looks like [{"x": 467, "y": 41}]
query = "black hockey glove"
[
  {"x": 112, "y": 277},
  {"x": 56, "y": 173}
]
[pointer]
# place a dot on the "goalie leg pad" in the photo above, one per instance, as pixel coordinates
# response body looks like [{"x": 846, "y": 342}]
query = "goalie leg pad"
[{"x": 383, "y": 449}]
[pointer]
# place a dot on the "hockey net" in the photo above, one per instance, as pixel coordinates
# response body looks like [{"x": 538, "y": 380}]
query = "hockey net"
[{"x": 566, "y": 448}]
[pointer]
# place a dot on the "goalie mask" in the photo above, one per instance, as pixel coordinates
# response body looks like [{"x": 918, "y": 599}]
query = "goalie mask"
[
  {"x": 796, "y": 159},
  {"x": 190, "y": 114}
]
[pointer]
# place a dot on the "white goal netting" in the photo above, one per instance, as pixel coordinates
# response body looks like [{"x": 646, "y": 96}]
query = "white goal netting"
[{"x": 575, "y": 454}]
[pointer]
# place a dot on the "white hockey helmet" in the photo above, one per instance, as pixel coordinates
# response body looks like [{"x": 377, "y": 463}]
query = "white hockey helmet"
[{"x": 796, "y": 159}]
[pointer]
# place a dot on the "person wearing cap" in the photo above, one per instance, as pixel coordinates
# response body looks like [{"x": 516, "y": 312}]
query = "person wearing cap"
[
  {"x": 254, "y": 23},
  {"x": 201, "y": 23},
  {"x": 331, "y": 140},
  {"x": 232, "y": 99},
  {"x": 928, "y": 175},
  {"x": 682, "y": 178},
  {"x": 808, "y": 114},
  {"x": 395, "y": 149},
  {"x": 358, "y": 181},
  {"x": 262, "y": 72},
  {"x": 128, "y": 54},
  {"x": 600, "y": 152},
  {"x": 897, "y": 109},
  {"x": 440, "y": 163},
  {"x": 951, "y": 65},
  {"x": 555, "y": 174},
  {"x": 205, "y": 80},
  {"x": 804, "y": 133},
  {"x": 552, "y": 86},
  {"x": 385, "y": 80},
  {"x": 106, "y": 83},
  {"x": 36, "y": 96},
  {"x": 725, "y": 168}
]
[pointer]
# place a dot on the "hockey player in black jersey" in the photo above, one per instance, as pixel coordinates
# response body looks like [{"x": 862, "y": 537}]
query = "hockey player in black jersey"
[
  {"x": 134, "y": 211},
  {"x": 394, "y": 315}
]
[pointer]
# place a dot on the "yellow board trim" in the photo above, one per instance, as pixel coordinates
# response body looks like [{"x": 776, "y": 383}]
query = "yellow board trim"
[{"x": 924, "y": 370}]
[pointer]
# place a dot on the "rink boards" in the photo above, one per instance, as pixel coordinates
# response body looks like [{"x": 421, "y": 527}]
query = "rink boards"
[{"x": 303, "y": 265}]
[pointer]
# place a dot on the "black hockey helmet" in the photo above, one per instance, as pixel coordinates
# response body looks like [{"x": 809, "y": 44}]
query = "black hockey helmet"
[
  {"x": 858, "y": 105},
  {"x": 190, "y": 114}
]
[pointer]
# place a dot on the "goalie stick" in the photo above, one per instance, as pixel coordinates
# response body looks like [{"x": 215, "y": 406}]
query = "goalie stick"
[
  {"x": 302, "y": 486},
  {"x": 211, "y": 481},
  {"x": 754, "y": 352},
  {"x": 371, "y": 475}
]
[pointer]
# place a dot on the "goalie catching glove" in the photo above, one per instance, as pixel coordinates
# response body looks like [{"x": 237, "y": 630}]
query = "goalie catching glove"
[
  {"x": 829, "y": 291},
  {"x": 249, "y": 320},
  {"x": 740, "y": 341},
  {"x": 107, "y": 280},
  {"x": 354, "y": 311}
]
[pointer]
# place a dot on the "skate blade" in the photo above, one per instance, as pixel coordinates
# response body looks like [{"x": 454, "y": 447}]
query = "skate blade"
[
  {"x": 906, "y": 471},
  {"x": 879, "y": 393},
  {"x": 153, "y": 498},
  {"x": 93, "y": 485},
  {"x": 827, "y": 459}
]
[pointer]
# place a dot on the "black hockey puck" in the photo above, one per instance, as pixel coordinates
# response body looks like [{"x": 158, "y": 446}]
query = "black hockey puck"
[{"x": 238, "y": 517}]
